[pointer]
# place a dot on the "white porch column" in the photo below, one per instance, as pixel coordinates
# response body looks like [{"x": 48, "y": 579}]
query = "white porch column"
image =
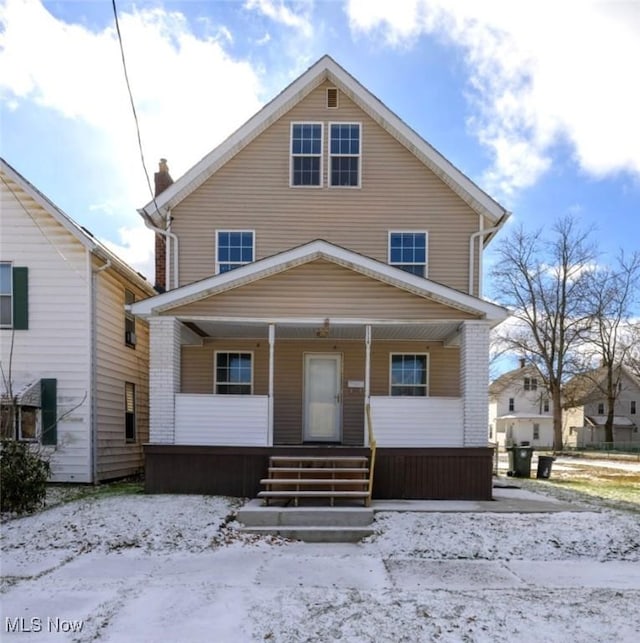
[
  {"x": 474, "y": 382},
  {"x": 164, "y": 378},
  {"x": 367, "y": 378},
  {"x": 272, "y": 339}
]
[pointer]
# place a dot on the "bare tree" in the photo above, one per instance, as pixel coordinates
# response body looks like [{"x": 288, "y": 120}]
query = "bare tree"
[
  {"x": 612, "y": 295},
  {"x": 543, "y": 282}
]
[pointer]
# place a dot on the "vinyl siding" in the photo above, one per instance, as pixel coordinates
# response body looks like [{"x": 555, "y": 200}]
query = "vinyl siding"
[
  {"x": 398, "y": 192},
  {"x": 57, "y": 343},
  {"x": 197, "y": 376},
  {"x": 319, "y": 289},
  {"x": 116, "y": 364}
]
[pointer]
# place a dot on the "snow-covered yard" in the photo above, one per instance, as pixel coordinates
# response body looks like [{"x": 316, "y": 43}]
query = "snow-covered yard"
[{"x": 175, "y": 568}]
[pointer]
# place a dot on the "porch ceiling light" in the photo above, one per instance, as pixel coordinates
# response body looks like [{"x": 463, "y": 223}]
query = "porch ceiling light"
[{"x": 323, "y": 331}]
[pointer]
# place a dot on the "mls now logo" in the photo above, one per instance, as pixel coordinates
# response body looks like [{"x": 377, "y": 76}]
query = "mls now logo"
[{"x": 36, "y": 624}]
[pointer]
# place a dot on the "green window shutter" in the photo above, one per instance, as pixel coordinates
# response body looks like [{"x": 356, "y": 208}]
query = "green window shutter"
[
  {"x": 49, "y": 401},
  {"x": 21, "y": 298}
]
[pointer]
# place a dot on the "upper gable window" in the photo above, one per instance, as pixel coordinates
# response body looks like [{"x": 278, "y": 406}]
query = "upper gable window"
[
  {"x": 306, "y": 154},
  {"x": 14, "y": 296},
  {"x": 344, "y": 161},
  {"x": 530, "y": 384},
  {"x": 234, "y": 248},
  {"x": 408, "y": 251}
]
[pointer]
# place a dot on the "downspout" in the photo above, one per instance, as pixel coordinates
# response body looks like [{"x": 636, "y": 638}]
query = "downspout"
[
  {"x": 94, "y": 370},
  {"x": 472, "y": 240},
  {"x": 173, "y": 246}
]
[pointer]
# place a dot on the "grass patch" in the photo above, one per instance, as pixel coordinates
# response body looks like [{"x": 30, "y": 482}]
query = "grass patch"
[{"x": 617, "y": 489}]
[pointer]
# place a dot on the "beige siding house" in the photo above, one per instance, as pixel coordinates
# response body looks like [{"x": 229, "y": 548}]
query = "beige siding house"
[
  {"x": 322, "y": 261},
  {"x": 586, "y": 410},
  {"x": 74, "y": 365}
]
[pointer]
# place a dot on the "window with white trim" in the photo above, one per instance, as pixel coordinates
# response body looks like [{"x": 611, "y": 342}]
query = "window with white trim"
[
  {"x": 306, "y": 154},
  {"x": 234, "y": 248},
  {"x": 600, "y": 408},
  {"x": 129, "y": 320},
  {"x": 20, "y": 422},
  {"x": 530, "y": 384},
  {"x": 129, "y": 412},
  {"x": 409, "y": 374},
  {"x": 536, "y": 431},
  {"x": 632, "y": 407},
  {"x": 6, "y": 295},
  {"x": 545, "y": 405},
  {"x": 234, "y": 373},
  {"x": 512, "y": 404},
  {"x": 344, "y": 154},
  {"x": 408, "y": 251}
]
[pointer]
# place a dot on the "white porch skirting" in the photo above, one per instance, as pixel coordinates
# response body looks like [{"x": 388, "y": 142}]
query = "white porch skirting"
[
  {"x": 417, "y": 421},
  {"x": 222, "y": 420}
]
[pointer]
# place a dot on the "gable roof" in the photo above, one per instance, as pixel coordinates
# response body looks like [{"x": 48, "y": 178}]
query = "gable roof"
[
  {"x": 326, "y": 69},
  {"x": 313, "y": 251},
  {"x": 500, "y": 383},
  {"x": 587, "y": 387},
  {"x": 81, "y": 234}
]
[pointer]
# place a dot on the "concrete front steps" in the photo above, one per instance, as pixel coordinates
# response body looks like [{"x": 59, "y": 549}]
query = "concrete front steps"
[{"x": 318, "y": 524}]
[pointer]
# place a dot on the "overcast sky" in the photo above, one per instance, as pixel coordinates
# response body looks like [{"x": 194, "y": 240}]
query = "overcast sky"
[{"x": 537, "y": 101}]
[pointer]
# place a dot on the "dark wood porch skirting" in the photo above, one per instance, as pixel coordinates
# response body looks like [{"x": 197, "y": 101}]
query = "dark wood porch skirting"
[{"x": 401, "y": 473}]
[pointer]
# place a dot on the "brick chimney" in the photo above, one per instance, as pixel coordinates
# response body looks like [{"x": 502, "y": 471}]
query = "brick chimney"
[{"x": 162, "y": 180}]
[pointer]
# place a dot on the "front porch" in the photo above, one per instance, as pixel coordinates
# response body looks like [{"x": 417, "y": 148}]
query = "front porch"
[{"x": 400, "y": 473}]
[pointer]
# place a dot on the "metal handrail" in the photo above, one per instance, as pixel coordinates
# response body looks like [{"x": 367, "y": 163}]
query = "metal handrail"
[{"x": 372, "y": 447}]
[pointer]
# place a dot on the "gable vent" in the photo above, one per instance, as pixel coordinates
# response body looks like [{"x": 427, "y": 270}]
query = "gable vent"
[{"x": 332, "y": 97}]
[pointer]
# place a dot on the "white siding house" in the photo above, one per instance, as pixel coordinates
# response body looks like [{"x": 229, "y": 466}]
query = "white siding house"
[
  {"x": 520, "y": 409},
  {"x": 60, "y": 290}
]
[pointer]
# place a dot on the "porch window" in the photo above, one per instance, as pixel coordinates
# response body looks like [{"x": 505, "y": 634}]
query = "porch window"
[
  {"x": 234, "y": 373},
  {"x": 409, "y": 375},
  {"x": 129, "y": 412},
  {"x": 344, "y": 152},
  {"x": 408, "y": 251},
  {"x": 306, "y": 154},
  {"x": 234, "y": 248}
]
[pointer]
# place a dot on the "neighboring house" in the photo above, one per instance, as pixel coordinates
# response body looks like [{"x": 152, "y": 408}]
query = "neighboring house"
[
  {"x": 322, "y": 258},
  {"x": 586, "y": 407},
  {"x": 74, "y": 364},
  {"x": 520, "y": 409}
]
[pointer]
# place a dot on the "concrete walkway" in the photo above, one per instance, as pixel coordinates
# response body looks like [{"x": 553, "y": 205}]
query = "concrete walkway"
[{"x": 506, "y": 499}]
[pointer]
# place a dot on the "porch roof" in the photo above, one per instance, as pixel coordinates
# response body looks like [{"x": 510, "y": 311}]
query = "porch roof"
[{"x": 313, "y": 251}]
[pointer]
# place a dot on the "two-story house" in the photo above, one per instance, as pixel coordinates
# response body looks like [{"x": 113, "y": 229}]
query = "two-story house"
[
  {"x": 586, "y": 409},
  {"x": 74, "y": 363},
  {"x": 520, "y": 409},
  {"x": 322, "y": 261}
]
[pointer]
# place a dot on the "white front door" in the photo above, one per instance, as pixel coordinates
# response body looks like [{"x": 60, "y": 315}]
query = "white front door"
[{"x": 322, "y": 397}]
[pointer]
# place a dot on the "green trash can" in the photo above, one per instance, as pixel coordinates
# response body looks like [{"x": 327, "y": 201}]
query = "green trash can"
[
  {"x": 520, "y": 461},
  {"x": 544, "y": 466}
]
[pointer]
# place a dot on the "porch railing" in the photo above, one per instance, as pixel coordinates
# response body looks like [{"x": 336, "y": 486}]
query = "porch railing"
[{"x": 372, "y": 447}]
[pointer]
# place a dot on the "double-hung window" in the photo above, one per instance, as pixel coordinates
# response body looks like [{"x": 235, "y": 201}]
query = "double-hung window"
[
  {"x": 234, "y": 373},
  {"x": 306, "y": 154},
  {"x": 408, "y": 251},
  {"x": 6, "y": 295},
  {"x": 14, "y": 296},
  {"x": 129, "y": 321},
  {"x": 129, "y": 412},
  {"x": 530, "y": 384},
  {"x": 344, "y": 154},
  {"x": 234, "y": 248},
  {"x": 409, "y": 374}
]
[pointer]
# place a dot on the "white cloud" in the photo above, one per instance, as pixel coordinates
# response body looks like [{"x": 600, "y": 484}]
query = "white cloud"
[
  {"x": 294, "y": 16},
  {"x": 136, "y": 248},
  {"x": 541, "y": 73},
  {"x": 189, "y": 93}
]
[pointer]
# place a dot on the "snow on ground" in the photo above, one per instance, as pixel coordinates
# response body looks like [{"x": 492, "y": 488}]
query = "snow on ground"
[{"x": 175, "y": 568}]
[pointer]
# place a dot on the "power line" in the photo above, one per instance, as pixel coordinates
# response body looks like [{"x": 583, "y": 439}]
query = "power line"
[{"x": 133, "y": 106}]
